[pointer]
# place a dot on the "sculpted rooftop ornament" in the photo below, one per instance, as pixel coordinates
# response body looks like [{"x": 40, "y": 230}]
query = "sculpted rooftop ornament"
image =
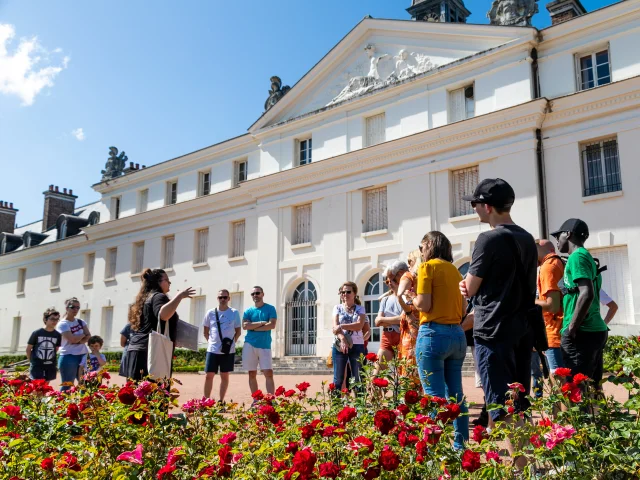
[
  {"x": 384, "y": 70},
  {"x": 512, "y": 12},
  {"x": 276, "y": 93},
  {"x": 115, "y": 164}
]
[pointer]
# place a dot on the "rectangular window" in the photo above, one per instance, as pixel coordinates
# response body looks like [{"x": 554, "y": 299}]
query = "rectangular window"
[
  {"x": 89, "y": 265},
  {"x": 143, "y": 200},
  {"x": 22, "y": 277},
  {"x": 375, "y": 209},
  {"x": 198, "y": 311},
  {"x": 202, "y": 246},
  {"x": 236, "y": 301},
  {"x": 302, "y": 224},
  {"x": 167, "y": 252},
  {"x": 593, "y": 69},
  {"x": 463, "y": 182},
  {"x": 239, "y": 172},
  {"x": 462, "y": 104},
  {"x": 138, "y": 258},
  {"x": 15, "y": 334},
  {"x": 601, "y": 167},
  {"x": 172, "y": 193},
  {"x": 616, "y": 282},
  {"x": 115, "y": 208},
  {"x": 86, "y": 316},
  {"x": 304, "y": 151},
  {"x": 375, "y": 130},
  {"x": 110, "y": 267},
  {"x": 204, "y": 183},
  {"x": 106, "y": 329},
  {"x": 56, "y": 266},
  {"x": 237, "y": 239}
]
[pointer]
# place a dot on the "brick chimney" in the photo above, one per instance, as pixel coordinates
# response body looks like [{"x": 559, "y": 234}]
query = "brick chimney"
[
  {"x": 56, "y": 203},
  {"x": 7, "y": 217},
  {"x": 563, "y": 10}
]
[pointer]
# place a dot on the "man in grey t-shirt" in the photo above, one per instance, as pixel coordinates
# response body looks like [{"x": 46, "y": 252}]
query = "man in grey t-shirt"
[{"x": 389, "y": 316}]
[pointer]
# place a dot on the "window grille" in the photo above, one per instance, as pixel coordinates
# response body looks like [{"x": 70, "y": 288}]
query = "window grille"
[
  {"x": 204, "y": 183},
  {"x": 172, "y": 193},
  {"x": 22, "y": 276},
  {"x": 302, "y": 217},
  {"x": 601, "y": 167},
  {"x": 305, "y": 152},
  {"x": 167, "y": 252},
  {"x": 375, "y": 130},
  {"x": 464, "y": 182},
  {"x": 237, "y": 245},
  {"x": 239, "y": 172},
  {"x": 112, "y": 258},
  {"x": 376, "y": 209},
  {"x": 462, "y": 103},
  {"x": 55, "y": 273},
  {"x": 138, "y": 262},
  {"x": 594, "y": 70},
  {"x": 89, "y": 267},
  {"x": 143, "y": 200},
  {"x": 202, "y": 246}
]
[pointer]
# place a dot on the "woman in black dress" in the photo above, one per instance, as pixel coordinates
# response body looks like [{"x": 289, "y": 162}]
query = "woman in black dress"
[{"x": 151, "y": 311}]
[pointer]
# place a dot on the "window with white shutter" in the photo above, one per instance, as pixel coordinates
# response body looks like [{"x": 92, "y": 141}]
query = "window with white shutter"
[
  {"x": 110, "y": 267},
  {"x": 237, "y": 239},
  {"x": 375, "y": 127},
  {"x": 167, "y": 252},
  {"x": 172, "y": 193},
  {"x": 89, "y": 266},
  {"x": 240, "y": 172},
  {"x": 375, "y": 209},
  {"x": 106, "y": 329},
  {"x": 237, "y": 301},
  {"x": 22, "y": 276},
  {"x": 202, "y": 246},
  {"x": 304, "y": 151},
  {"x": 138, "y": 258},
  {"x": 204, "y": 183},
  {"x": 302, "y": 224},
  {"x": 462, "y": 104},
  {"x": 601, "y": 167},
  {"x": 15, "y": 334},
  {"x": 198, "y": 311},
  {"x": 616, "y": 281},
  {"x": 86, "y": 316},
  {"x": 56, "y": 266},
  {"x": 143, "y": 200},
  {"x": 115, "y": 208},
  {"x": 463, "y": 182}
]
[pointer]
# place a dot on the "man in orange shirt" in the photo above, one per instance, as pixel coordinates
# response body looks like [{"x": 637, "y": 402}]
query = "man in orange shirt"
[{"x": 550, "y": 299}]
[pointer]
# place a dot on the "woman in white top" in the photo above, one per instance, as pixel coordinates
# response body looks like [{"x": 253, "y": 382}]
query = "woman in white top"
[
  {"x": 75, "y": 335},
  {"x": 349, "y": 319}
]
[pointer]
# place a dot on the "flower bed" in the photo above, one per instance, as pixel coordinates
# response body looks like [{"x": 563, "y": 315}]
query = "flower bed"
[{"x": 391, "y": 431}]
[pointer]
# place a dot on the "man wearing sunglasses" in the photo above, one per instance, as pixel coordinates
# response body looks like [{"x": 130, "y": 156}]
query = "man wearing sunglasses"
[
  {"x": 218, "y": 324},
  {"x": 258, "y": 320}
]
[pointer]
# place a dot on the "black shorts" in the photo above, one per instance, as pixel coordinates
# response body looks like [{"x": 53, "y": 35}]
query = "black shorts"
[
  {"x": 222, "y": 361},
  {"x": 584, "y": 354},
  {"x": 43, "y": 372}
]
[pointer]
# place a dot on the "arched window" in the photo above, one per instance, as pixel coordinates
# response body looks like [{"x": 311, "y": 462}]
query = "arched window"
[
  {"x": 301, "y": 321},
  {"x": 372, "y": 290}
]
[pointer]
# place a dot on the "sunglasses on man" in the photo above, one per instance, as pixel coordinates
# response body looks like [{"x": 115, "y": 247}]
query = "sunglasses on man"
[
  {"x": 223, "y": 297},
  {"x": 255, "y": 294}
]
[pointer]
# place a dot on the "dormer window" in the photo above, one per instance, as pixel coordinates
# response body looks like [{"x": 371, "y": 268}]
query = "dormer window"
[
  {"x": 462, "y": 104},
  {"x": 62, "y": 233}
]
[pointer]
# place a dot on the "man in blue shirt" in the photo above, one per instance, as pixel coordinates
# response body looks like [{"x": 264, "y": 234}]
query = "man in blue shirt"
[{"x": 258, "y": 320}]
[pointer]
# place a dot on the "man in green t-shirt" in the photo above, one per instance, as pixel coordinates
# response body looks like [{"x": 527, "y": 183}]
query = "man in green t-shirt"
[{"x": 584, "y": 332}]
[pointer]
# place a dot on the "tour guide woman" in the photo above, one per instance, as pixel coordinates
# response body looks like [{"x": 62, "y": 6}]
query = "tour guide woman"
[
  {"x": 441, "y": 346},
  {"x": 151, "y": 307},
  {"x": 348, "y": 321}
]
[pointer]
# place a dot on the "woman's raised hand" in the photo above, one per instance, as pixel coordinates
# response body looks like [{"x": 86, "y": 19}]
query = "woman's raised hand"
[{"x": 187, "y": 293}]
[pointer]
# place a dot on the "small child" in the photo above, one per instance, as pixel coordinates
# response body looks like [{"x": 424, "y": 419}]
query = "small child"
[
  {"x": 96, "y": 359},
  {"x": 42, "y": 347}
]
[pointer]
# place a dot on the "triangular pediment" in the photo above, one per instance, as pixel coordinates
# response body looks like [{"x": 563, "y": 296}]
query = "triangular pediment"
[{"x": 378, "y": 54}]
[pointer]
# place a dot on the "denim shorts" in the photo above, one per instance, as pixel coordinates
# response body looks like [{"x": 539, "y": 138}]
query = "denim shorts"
[{"x": 554, "y": 358}]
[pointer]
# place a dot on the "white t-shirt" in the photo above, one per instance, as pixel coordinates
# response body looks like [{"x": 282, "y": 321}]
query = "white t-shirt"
[
  {"x": 76, "y": 327},
  {"x": 345, "y": 318},
  {"x": 229, "y": 321},
  {"x": 604, "y": 298},
  {"x": 390, "y": 306}
]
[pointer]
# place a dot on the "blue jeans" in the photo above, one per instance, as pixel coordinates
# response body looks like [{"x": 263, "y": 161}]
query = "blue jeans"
[
  {"x": 554, "y": 359},
  {"x": 340, "y": 361},
  {"x": 68, "y": 366},
  {"x": 440, "y": 352}
]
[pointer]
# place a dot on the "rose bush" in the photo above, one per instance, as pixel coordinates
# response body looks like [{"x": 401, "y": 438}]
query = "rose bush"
[{"x": 139, "y": 432}]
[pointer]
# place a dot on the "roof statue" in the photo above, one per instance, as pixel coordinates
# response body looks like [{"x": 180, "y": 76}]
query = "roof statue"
[
  {"x": 115, "y": 164},
  {"x": 512, "y": 12},
  {"x": 276, "y": 93}
]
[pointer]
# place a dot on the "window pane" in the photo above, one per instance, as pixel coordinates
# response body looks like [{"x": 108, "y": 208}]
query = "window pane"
[{"x": 464, "y": 182}]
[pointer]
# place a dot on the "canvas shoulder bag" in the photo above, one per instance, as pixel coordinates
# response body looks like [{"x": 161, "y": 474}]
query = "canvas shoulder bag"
[{"x": 160, "y": 352}]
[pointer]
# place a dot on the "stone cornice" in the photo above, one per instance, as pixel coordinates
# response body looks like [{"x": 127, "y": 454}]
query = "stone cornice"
[{"x": 21, "y": 257}]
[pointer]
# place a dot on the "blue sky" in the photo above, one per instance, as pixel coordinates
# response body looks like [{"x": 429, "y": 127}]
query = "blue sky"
[{"x": 156, "y": 79}]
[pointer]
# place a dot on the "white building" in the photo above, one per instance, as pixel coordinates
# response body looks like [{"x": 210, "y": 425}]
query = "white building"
[{"x": 370, "y": 150}]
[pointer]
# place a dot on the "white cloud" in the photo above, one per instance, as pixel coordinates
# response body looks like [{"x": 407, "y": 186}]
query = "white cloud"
[
  {"x": 78, "y": 133},
  {"x": 26, "y": 71}
]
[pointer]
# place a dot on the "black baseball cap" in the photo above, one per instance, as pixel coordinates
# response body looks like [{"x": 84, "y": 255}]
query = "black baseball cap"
[
  {"x": 573, "y": 225},
  {"x": 493, "y": 191}
]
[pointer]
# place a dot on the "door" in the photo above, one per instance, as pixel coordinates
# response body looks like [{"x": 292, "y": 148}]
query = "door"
[
  {"x": 372, "y": 291},
  {"x": 302, "y": 321}
]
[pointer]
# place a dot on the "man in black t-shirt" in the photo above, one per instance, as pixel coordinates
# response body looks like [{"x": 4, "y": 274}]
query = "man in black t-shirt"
[
  {"x": 42, "y": 347},
  {"x": 502, "y": 278}
]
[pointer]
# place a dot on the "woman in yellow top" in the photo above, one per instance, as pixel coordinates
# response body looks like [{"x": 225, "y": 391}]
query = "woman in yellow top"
[{"x": 441, "y": 346}]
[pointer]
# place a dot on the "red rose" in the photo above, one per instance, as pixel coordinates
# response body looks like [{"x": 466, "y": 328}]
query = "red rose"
[
  {"x": 329, "y": 431},
  {"x": 535, "y": 440},
  {"x": 47, "y": 464},
  {"x": 228, "y": 439},
  {"x": 431, "y": 434},
  {"x": 545, "y": 422},
  {"x": 303, "y": 386},
  {"x": 405, "y": 439},
  {"x": 328, "y": 470},
  {"x": 257, "y": 395},
  {"x": 73, "y": 411},
  {"x": 470, "y": 461},
  {"x": 403, "y": 409},
  {"x": 369, "y": 472},
  {"x": 578, "y": 378},
  {"x": 13, "y": 411},
  {"x": 292, "y": 447},
  {"x": 493, "y": 456},
  {"x": 289, "y": 393},
  {"x": 511, "y": 409},
  {"x": 278, "y": 466},
  {"x": 165, "y": 470},
  {"x": 126, "y": 396},
  {"x": 384, "y": 421},
  {"x": 303, "y": 461},
  {"x": 371, "y": 357},
  {"x": 562, "y": 372},
  {"x": 421, "y": 451},
  {"x": 269, "y": 412},
  {"x": 361, "y": 443},
  {"x": 388, "y": 459},
  {"x": 346, "y": 415},
  {"x": 308, "y": 431},
  {"x": 425, "y": 401},
  {"x": 572, "y": 392},
  {"x": 452, "y": 411},
  {"x": 411, "y": 397},
  {"x": 280, "y": 391},
  {"x": 332, "y": 387},
  {"x": 381, "y": 382},
  {"x": 479, "y": 433},
  {"x": 518, "y": 387},
  {"x": 70, "y": 462},
  {"x": 16, "y": 382}
]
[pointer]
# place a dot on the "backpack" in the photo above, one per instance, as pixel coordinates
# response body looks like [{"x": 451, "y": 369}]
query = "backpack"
[{"x": 572, "y": 290}]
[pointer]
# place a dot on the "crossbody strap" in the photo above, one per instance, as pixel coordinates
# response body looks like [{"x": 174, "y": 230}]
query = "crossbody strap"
[
  {"x": 218, "y": 322},
  {"x": 160, "y": 325}
]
